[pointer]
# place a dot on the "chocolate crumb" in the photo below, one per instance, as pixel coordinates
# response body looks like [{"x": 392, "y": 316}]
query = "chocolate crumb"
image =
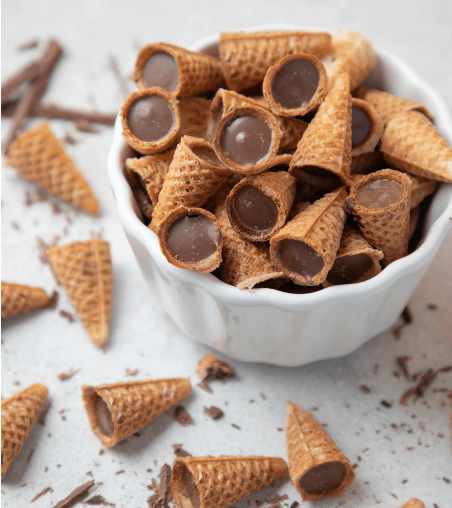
[
  {"x": 83, "y": 125},
  {"x": 402, "y": 362},
  {"x": 385, "y": 403},
  {"x": 432, "y": 306},
  {"x": 214, "y": 412},
  {"x": 295, "y": 504},
  {"x": 365, "y": 389},
  {"x": 446, "y": 480},
  {"x": 182, "y": 417},
  {"x": 67, "y": 315},
  {"x": 279, "y": 429},
  {"x": 179, "y": 451},
  {"x": 120, "y": 472},
  {"x": 398, "y": 331},
  {"x": 53, "y": 302},
  {"x": 407, "y": 315},
  {"x": 67, "y": 375},
  {"x": 263, "y": 397},
  {"x": 39, "y": 494},
  {"x": 131, "y": 372},
  {"x": 76, "y": 495},
  {"x": 30, "y": 44},
  {"x": 210, "y": 368},
  {"x": 14, "y": 225},
  {"x": 235, "y": 426},
  {"x": 70, "y": 140},
  {"x": 404, "y": 482},
  {"x": 98, "y": 501},
  {"x": 45, "y": 410},
  {"x": 162, "y": 492}
]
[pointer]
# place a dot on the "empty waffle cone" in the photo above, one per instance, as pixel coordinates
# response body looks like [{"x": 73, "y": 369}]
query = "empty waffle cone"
[
  {"x": 194, "y": 117},
  {"x": 247, "y": 56},
  {"x": 420, "y": 189},
  {"x": 131, "y": 406},
  {"x": 309, "y": 446},
  {"x": 412, "y": 144},
  {"x": 139, "y": 192},
  {"x": 387, "y": 104},
  {"x": 326, "y": 144},
  {"x": 245, "y": 264},
  {"x": 197, "y": 72},
  {"x": 18, "y": 299},
  {"x": 351, "y": 53},
  {"x": 38, "y": 156},
  {"x": 85, "y": 272},
  {"x": 280, "y": 187},
  {"x": 369, "y": 144},
  {"x": 19, "y": 414},
  {"x": 413, "y": 503},
  {"x": 367, "y": 163},
  {"x": 386, "y": 228},
  {"x": 320, "y": 227},
  {"x": 218, "y": 482},
  {"x": 190, "y": 180}
]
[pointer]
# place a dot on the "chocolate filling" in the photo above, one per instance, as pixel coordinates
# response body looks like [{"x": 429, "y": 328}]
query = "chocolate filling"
[
  {"x": 295, "y": 83},
  {"x": 254, "y": 210},
  {"x": 324, "y": 478},
  {"x": 348, "y": 269},
  {"x": 379, "y": 193},
  {"x": 247, "y": 140},
  {"x": 300, "y": 258},
  {"x": 207, "y": 155},
  {"x": 361, "y": 126},
  {"x": 161, "y": 70},
  {"x": 188, "y": 488},
  {"x": 193, "y": 238},
  {"x": 330, "y": 179},
  {"x": 150, "y": 118},
  {"x": 103, "y": 417}
]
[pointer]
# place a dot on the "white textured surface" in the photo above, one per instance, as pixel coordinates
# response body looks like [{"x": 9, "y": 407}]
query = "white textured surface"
[{"x": 41, "y": 346}]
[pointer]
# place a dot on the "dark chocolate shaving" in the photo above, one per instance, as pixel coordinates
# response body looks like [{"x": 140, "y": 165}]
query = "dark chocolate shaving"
[
  {"x": 387, "y": 404},
  {"x": 210, "y": 368},
  {"x": 67, "y": 375},
  {"x": 76, "y": 495},
  {"x": 39, "y": 494},
  {"x": 179, "y": 451},
  {"x": 98, "y": 501},
  {"x": 30, "y": 44},
  {"x": 402, "y": 362},
  {"x": 11, "y": 86},
  {"x": 407, "y": 315},
  {"x": 43, "y": 414},
  {"x": 182, "y": 417},
  {"x": 214, "y": 412},
  {"x": 67, "y": 315},
  {"x": 162, "y": 491}
]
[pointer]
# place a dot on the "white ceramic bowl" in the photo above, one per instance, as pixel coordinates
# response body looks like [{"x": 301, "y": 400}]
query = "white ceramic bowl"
[{"x": 270, "y": 326}]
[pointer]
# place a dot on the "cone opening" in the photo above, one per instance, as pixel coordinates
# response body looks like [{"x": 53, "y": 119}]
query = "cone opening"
[
  {"x": 349, "y": 269},
  {"x": 319, "y": 177},
  {"x": 187, "y": 488},
  {"x": 160, "y": 69},
  {"x": 150, "y": 118},
  {"x": 379, "y": 193},
  {"x": 254, "y": 210},
  {"x": 300, "y": 258},
  {"x": 104, "y": 417},
  {"x": 323, "y": 479}
]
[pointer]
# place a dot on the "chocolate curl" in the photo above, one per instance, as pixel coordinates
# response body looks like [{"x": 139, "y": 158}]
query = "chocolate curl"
[
  {"x": 197, "y": 72},
  {"x": 412, "y": 144},
  {"x": 386, "y": 228},
  {"x": 420, "y": 189},
  {"x": 18, "y": 299},
  {"x": 370, "y": 143},
  {"x": 149, "y": 147},
  {"x": 247, "y": 56}
]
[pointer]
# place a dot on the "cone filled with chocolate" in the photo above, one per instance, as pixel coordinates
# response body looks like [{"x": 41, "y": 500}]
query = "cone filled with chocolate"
[
  {"x": 139, "y": 192},
  {"x": 18, "y": 299},
  {"x": 367, "y": 127}
]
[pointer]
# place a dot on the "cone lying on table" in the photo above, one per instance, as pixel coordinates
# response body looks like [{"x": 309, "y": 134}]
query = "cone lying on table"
[
  {"x": 420, "y": 189},
  {"x": 412, "y": 144},
  {"x": 309, "y": 447},
  {"x": 130, "y": 406},
  {"x": 38, "y": 156},
  {"x": 84, "y": 270},
  {"x": 18, "y": 299},
  {"x": 218, "y": 482},
  {"x": 19, "y": 414},
  {"x": 413, "y": 503}
]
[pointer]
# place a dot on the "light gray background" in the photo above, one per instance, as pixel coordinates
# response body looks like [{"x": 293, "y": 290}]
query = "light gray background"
[{"x": 43, "y": 345}]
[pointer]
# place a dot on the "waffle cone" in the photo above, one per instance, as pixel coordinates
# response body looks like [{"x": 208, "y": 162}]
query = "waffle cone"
[
  {"x": 308, "y": 446},
  {"x": 420, "y": 189},
  {"x": 247, "y": 56},
  {"x": 367, "y": 163},
  {"x": 320, "y": 226},
  {"x": 194, "y": 117},
  {"x": 223, "y": 481},
  {"x": 84, "y": 270},
  {"x": 141, "y": 196},
  {"x": 280, "y": 187},
  {"x": 19, "y": 414},
  {"x": 280, "y": 162},
  {"x": 190, "y": 181},
  {"x": 370, "y": 143},
  {"x": 413, "y": 503},
  {"x": 298, "y": 208},
  {"x": 386, "y": 228},
  {"x": 352, "y": 53},
  {"x": 133, "y": 405},
  {"x": 150, "y": 147},
  {"x": 18, "y": 299},
  {"x": 245, "y": 264},
  {"x": 197, "y": 72},
  {"x": 412, "y": 144},
  {"x": 326, "y": 144},
  {"x": 38, "y": 156},
  {"x": 389, "y": 105}
]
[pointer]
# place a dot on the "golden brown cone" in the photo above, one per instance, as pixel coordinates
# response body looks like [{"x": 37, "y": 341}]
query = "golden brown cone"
[
  {"x": 412, "y": 144},
  {"x": 141, "y": 196},
  {"x": 38, "y": 156},
  {"x": 384, "y": 228},
  {"x": 194, "y": 116},
  {"x": 133, "y": 404},
  {"x": 197, "y": 72},
  {"x": 223, "y": 481},
  {"x": 327, "y": 142},
  {"x": 367, "y": 163},
  {"x": 190, "y": 181},
  {"x": 247, "y": 56},
  {"x": 308, "y": 446},
  {"x": 85, "y": 272},
  {"x": 413, "y": 503},
  {"x": 370, "y": 143},
  {"x": 19, "y": 414},
  {"x": 18, "y": 299},
  {"x": 352, "y": 53},
  {"x": 387, "y": 104},
  {"x": 320, "y": 226},
  {"x": 420, "y": 189}
]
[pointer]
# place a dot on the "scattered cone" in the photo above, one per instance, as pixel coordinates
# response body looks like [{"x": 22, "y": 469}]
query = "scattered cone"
[{"x": 18, "y": 299}]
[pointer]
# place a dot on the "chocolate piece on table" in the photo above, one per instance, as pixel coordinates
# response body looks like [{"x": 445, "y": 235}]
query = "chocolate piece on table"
[
  {"x": 76, "y": 495},
  {"x": 367, "y": 127}
]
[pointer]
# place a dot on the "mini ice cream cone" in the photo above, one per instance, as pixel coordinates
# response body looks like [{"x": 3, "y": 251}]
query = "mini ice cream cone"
[
  {"x": 389, "y": 105},
  {"x": 420, "y": 189},
  {"x": 279, "y": 186},
  {"x": 190, "y": 180},
  {"x": 197, "y": 72},
  {"x": 150, "y": 147},
  {"x": 38, "y": 156},
  {"x": 385, "y": 228},
  {"x": 367, "y": 163},
  {"x": 139, "y": 192},
  {"x": 326, "y": 144},
  {"x": 247, "y": 56},
  {"x": 309, "y": 447},
  {"x": 194, "y": 117},
  {"x": 18, "y": 299},
  {"x": 371, "y": 141},
  {"x": 412, "y": 144},
  {"x": 320, "y": 227},
  {"x": 130, "y": 406},
  {"x": 19, "y": 414},
  {"x": 84, "y": 270},
  {"x": 218, "y": 482},
  {"x": 351, "y": 53},
  {"x": 413, "y": 503},
  {"x": 204, "y": 266},
  {"x": 415, "y": 214}
]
